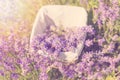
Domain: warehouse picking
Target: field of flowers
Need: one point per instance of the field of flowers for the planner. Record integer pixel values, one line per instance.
(100, 58)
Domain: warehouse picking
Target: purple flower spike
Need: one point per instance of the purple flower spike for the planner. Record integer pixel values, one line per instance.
(88, 43)
(100, 41)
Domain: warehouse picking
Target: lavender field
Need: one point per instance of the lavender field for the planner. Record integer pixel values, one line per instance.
(100, 57)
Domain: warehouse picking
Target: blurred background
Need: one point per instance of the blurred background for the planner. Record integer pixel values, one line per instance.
(19, 15)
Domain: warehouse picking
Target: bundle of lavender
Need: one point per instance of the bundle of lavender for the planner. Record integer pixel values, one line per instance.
(61, 44)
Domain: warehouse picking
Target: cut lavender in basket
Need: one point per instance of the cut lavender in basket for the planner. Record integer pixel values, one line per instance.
(56, 41)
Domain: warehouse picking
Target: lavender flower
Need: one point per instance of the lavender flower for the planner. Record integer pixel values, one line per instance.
(2, 73)
(14, 76)
(88, 43)
(100, 41)
(88, 65)
(107, 12)
(56, 43)
(111, 47)
(18, 60)
(43, 76)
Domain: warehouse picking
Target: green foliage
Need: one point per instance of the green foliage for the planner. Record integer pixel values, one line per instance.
(66, 2)
(111, 76)
(93, 4)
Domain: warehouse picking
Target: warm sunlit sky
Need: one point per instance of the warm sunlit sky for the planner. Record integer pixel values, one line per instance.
(18, 13)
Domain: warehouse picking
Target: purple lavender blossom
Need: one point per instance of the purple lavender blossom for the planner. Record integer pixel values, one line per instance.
(107, 12)
(14, 76)
(88, 29)
(55, 43)
(111, 47)
(100, 41)
(16, 59)
(43, 76)
(88, 43)
(2, 73)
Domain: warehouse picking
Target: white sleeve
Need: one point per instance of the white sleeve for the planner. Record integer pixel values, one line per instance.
(39, 24)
